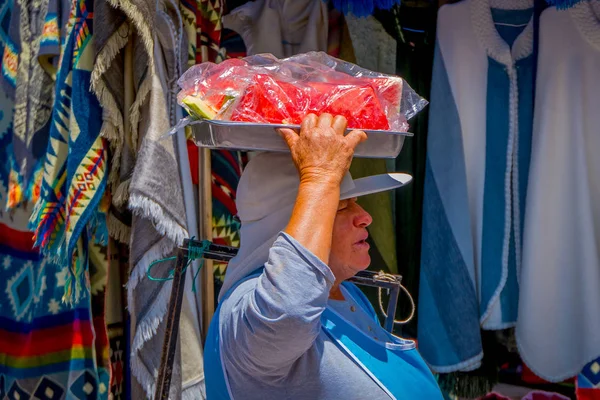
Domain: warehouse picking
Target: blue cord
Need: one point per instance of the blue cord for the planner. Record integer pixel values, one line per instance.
(194, 253)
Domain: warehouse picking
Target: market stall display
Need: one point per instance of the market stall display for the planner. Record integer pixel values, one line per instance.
(241, 101)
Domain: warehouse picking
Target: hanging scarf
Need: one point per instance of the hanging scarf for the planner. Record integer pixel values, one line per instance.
(74, 171)
(35, 29)
(476, 177)
(560, 278)
(7, 98)
(45, 345)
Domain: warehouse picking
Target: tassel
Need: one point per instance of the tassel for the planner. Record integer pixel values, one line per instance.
(466, 384)
(563, 4)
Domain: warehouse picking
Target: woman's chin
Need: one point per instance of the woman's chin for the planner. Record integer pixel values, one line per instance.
(363, 262)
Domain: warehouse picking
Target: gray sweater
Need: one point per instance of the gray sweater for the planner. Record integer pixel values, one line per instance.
(273, 346)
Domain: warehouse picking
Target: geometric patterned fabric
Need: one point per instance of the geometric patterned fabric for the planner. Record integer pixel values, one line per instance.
(69, 216)
(202, 23)
(48, 349)
(588, 381)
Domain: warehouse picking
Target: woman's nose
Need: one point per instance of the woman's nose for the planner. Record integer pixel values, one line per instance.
(363, 218)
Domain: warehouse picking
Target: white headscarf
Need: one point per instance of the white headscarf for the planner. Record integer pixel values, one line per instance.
(266, 195)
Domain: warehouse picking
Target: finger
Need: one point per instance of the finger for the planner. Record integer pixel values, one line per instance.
(288, 135)
(308, 122)
(340, 123)
(356, 137)
(325, 121)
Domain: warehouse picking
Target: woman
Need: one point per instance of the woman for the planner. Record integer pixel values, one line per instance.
(287, 325)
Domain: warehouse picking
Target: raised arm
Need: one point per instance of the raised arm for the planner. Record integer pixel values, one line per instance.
(322, 155)
(275, 319)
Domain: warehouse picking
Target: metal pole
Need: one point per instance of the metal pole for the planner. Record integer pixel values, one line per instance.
(170, 341)
(205, 213)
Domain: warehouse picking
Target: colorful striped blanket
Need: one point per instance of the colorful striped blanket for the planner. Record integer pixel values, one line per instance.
(48, 350)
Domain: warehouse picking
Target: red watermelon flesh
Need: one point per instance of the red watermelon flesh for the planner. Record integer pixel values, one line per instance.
(359, 104)
(270, 97)
(268, 100)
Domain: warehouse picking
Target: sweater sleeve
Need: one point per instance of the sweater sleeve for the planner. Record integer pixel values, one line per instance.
(272, 320)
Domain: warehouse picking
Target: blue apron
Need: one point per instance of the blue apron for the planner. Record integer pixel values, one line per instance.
(395, 365)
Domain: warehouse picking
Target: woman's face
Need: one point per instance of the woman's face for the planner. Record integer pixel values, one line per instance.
(349, 249)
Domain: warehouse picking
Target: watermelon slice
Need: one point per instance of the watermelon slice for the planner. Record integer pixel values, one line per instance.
(199, 108)
(237, 91)
(275, 101)
(359, 104)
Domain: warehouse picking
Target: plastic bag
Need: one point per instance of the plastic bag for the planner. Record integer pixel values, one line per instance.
(264, 89)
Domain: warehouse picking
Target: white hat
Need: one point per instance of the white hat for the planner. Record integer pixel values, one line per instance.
(266, 195)
(270, 181)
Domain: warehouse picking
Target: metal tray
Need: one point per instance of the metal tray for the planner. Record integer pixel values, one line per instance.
(263, 137)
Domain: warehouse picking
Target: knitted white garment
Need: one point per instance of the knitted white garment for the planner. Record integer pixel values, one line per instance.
(559, 322)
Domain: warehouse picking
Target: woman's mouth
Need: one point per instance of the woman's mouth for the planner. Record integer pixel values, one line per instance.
(362, 243)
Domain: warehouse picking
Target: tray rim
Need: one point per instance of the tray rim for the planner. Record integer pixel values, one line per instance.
(217, 122)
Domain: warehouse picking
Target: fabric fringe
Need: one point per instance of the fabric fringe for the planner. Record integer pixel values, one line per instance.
(115, 44)
(118, 230)
(466, 385)
(112, 126)
(147, 328)
(161, 249)
(471, 364)
(121, 195)
(195, 391)
(34, 218)
(145, 207)
(146, 380)
(138, 20)
(143, 28)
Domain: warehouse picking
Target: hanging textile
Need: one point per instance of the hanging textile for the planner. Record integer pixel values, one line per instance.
(34, 33)
(47, 346)
(588, 381)
(558, 325)
(115, 311)
(282, 28)
(154, 193)
(475, 183)
(109, 83)
(70, 208)
(7, 101)
(48, 349)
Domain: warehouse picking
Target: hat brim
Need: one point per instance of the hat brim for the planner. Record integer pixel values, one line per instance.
(376, 184)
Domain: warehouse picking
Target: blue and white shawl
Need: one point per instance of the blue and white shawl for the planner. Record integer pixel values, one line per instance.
(478, 153)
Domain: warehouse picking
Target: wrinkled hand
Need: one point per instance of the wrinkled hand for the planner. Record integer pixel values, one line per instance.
(320, 151)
